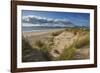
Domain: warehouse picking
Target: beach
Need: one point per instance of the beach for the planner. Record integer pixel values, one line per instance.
(61, 44)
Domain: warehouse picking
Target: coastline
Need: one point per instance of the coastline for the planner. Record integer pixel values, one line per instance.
(40, 32)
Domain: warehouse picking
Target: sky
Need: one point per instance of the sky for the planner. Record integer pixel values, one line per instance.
(81, 19)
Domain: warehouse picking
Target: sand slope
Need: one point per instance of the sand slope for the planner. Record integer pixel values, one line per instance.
(59, 41)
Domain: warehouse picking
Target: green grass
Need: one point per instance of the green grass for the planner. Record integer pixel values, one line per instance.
(56, 33)
(42, 46)
(83, 42)
(68, 53)
(25, 44)
(39, 44)
(30, 54)
(82, 32)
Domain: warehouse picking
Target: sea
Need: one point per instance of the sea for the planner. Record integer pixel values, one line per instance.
(37, 29)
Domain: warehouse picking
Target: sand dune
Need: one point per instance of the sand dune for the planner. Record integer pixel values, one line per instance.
(57, 42)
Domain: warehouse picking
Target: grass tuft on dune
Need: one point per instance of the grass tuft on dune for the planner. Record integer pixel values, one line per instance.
(43, 46)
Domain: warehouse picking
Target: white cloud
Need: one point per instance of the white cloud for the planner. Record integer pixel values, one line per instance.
(43, 21)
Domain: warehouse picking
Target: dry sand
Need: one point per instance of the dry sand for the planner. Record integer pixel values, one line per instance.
(60, 41)
(39, 33)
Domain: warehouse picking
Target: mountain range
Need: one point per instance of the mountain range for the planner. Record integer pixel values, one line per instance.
(32, 20)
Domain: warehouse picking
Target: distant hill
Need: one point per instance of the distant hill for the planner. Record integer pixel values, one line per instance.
(45, 22)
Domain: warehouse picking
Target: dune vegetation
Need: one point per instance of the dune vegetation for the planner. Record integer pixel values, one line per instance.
(66, 44)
